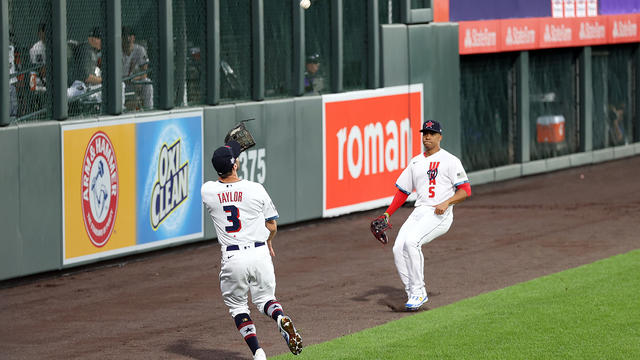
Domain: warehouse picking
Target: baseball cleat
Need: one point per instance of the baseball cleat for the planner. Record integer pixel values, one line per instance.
(415, 302)
(260, 355)
(290, 334)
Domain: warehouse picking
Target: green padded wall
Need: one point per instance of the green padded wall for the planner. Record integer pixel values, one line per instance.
(434, 62)
(11, 245)
(290, 132)
(394, 61)
(40, 196)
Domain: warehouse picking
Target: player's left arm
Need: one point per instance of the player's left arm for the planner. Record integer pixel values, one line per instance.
(272, 226)
(460, 196)
(463, 189)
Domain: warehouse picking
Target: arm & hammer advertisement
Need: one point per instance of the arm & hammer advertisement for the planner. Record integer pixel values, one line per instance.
(131, 184)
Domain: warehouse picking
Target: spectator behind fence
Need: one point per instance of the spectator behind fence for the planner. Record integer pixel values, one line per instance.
(313, 81)
(85, 72)
(616, 124)
(135, 61)
(13, 98)
(38, 56)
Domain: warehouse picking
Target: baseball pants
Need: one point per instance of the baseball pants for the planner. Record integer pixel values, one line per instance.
(422, 226)
(243, 271)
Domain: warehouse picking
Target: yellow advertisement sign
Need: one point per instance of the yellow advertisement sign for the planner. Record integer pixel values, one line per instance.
(99, 190)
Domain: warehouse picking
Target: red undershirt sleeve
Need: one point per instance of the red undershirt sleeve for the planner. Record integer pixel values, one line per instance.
(398, 200)
(466, 187)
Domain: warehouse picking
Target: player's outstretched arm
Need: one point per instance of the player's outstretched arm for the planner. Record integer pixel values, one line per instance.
(272, 226)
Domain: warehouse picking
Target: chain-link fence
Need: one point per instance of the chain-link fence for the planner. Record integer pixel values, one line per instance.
(317, 29)
(278, 45)
(189, 32)
(235, 50)
(140, 54)
(487, 96)
(356, 45)
(553, 100)
(86, 57)
(29, 38)
(613, 95)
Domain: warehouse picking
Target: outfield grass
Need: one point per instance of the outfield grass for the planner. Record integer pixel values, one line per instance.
(590, 312)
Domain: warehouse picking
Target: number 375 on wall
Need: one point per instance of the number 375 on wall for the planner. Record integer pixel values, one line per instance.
(252, 165)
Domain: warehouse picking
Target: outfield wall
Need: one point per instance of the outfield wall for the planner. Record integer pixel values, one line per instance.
(301, 143)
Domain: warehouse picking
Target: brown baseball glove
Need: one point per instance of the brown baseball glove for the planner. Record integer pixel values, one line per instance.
(240, 134)
(378, 226)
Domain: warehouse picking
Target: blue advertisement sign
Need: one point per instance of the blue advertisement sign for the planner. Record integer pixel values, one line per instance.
(169, 168)
(467, 10)
(612, 7)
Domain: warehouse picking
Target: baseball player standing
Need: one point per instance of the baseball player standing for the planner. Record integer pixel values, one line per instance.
(245, 219)
(440, 182)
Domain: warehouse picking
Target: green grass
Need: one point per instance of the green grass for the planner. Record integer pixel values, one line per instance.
(590, 312)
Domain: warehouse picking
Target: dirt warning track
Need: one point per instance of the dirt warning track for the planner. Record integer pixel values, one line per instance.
(333, 277)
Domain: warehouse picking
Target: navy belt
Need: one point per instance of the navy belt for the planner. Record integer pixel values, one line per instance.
(237, 247)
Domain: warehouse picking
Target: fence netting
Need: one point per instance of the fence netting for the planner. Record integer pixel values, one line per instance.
(29, 38)
(140, 54)
(553, 100)
(235, 50)
(189, 33)
(487, 110)
(278, 45)
(613, 95)
(86, 60)
(356, 45)
(317, 29)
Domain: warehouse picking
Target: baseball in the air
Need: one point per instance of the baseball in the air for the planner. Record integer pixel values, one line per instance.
(305, 4)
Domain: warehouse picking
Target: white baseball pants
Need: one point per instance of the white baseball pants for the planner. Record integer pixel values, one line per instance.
(422, 226)
(243, 271)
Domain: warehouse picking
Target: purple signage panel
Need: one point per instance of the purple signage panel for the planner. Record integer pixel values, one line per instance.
(610, 7)
(466, 10)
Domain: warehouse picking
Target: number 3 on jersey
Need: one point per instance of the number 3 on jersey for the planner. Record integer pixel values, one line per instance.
(233, 217)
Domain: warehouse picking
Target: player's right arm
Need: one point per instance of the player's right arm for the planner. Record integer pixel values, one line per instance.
(404, 183)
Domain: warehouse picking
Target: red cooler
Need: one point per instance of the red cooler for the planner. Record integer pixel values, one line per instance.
(550, 129)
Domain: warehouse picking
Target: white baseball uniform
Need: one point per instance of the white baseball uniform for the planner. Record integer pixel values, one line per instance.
(239, 211)
(435, 179)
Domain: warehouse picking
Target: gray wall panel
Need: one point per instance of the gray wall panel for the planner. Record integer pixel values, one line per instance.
(434, 62)
(279, 133)
(11, 251)
(394, 56)
(40, 196)
(308, 161)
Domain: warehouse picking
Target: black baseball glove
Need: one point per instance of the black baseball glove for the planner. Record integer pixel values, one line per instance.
(378, 226)
(240, 134)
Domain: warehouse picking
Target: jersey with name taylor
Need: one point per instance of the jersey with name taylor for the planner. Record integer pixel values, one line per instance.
(239, 211)
(434, 177)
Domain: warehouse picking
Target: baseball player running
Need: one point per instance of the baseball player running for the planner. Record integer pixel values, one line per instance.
(245, 219)
(440, 182)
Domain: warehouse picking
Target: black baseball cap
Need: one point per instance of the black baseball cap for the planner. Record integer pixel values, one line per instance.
(96, 32)
(225, 156)
(313, 59)
(431, 125)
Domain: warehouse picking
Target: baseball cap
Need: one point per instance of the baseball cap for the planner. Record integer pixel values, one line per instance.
(96, 32)
(225, 156)
(431, 125)
(313, 59)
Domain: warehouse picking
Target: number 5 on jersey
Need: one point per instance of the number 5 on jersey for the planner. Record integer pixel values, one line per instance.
(432, 173)
(233, 218)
